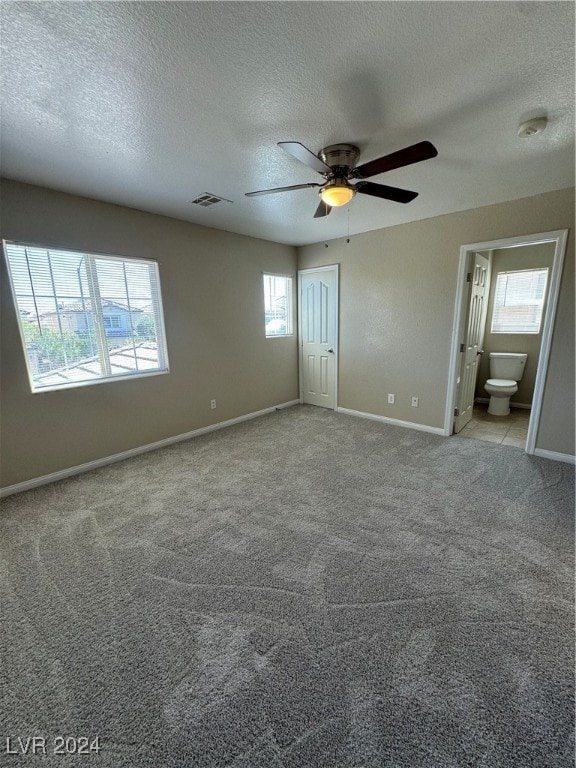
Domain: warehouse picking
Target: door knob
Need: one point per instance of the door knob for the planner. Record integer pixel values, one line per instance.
(331, 350)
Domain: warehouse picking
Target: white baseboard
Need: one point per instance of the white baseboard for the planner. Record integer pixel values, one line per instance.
(35, 482)
(554, 456)
(394, 422)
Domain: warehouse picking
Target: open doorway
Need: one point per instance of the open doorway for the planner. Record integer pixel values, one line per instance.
(485, 323)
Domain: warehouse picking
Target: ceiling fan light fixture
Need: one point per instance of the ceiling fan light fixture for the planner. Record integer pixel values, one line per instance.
(337, 165)
(336, 195)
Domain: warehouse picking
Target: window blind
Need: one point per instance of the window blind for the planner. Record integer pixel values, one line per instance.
(278, 305)
(86, 317)
(519, 301)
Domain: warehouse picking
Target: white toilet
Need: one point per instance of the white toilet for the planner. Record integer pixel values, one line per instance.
(506, 368)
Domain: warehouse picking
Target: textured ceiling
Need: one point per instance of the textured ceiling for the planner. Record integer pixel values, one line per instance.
(151, 104)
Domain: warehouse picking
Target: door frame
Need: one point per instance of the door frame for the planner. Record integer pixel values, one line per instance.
(559, 238)
(301, 273)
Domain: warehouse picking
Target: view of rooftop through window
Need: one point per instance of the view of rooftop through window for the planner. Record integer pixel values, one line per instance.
(86, 317)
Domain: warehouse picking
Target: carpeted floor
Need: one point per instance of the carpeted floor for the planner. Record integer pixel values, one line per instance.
(305, 589)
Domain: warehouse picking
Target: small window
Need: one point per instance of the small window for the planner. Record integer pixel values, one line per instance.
(519, 301)
(84, 317)
(278, 305)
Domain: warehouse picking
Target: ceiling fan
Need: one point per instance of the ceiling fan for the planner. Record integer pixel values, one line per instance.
(337, 164)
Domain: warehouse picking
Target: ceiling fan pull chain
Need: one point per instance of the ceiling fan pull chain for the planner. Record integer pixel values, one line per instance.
(348, 237)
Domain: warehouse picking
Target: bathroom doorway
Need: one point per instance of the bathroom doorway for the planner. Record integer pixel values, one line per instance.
(509, 259)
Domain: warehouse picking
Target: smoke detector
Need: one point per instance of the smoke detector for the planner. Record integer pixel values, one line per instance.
(532, 127)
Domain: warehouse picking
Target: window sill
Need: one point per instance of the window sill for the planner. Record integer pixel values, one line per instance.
(107, 380)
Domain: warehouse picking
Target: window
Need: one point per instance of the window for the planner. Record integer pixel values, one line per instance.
(278, 305)
(519, 301)
(85, 317)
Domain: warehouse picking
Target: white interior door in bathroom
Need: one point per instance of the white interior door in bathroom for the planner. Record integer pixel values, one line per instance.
(318, 329)
(471, 347)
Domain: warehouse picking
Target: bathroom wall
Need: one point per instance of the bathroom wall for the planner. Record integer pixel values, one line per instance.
(507, 260)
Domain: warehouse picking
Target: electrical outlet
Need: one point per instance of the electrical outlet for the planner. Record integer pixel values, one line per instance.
(391, 399)
(212, 404)
(414, 402)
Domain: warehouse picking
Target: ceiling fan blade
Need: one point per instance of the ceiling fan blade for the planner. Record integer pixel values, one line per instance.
(386, 193)
(424, 150)
(322, 210)
(280, 189)
(305, 155)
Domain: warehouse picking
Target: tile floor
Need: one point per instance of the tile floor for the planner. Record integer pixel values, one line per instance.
(507, 430)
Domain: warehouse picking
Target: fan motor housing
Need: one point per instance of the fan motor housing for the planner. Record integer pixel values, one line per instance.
(340, 155)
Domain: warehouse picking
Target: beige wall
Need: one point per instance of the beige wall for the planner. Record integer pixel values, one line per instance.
(397, 294)
(396, 307)
(508, 260)
(213, 302)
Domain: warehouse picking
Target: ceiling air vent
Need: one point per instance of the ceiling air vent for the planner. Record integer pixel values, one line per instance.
(206, 199)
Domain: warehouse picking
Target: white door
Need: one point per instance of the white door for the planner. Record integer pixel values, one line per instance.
(318, 335)
(471, 348)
